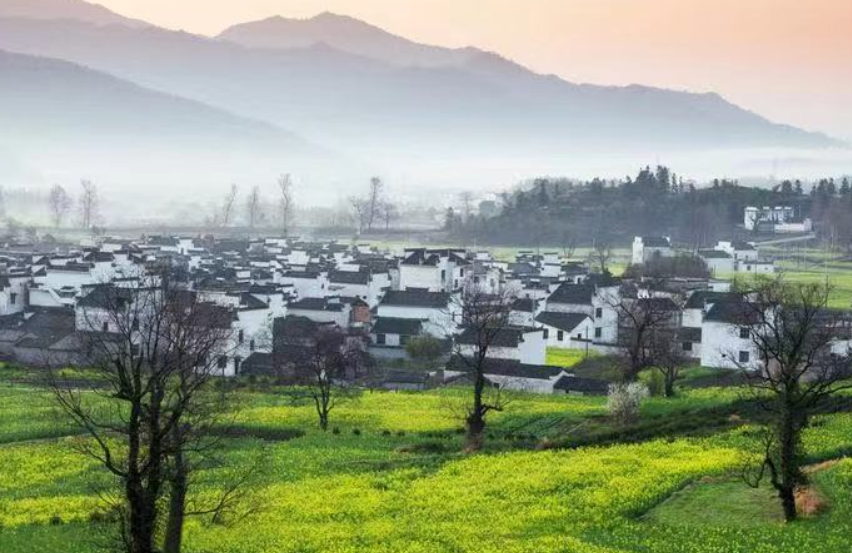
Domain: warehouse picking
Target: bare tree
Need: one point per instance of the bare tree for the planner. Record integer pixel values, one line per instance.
(154, 348)
(360, 210)
(485, 318)
(389, 213)
(60, 203)
(286, 203)
(374, 201)
(254, 208)
(647, 329)
(88, 203)
(323, 365)
(602, 253)
(799, 368)
(228, 206)
(466, 199)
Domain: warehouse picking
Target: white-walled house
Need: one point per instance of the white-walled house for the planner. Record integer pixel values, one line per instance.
(432, 270)
(718, 262)
(321, 310)
(307, 284)
(526, 345)
(440, 315)
(725, 342)
(566, 330)
(646, 248)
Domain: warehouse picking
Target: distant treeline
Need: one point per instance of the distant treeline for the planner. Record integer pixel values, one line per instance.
(551, 212)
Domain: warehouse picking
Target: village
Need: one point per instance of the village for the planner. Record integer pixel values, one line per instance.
(277, 293)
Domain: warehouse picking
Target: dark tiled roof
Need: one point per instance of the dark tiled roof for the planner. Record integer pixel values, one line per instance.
(570, 383)
(106, 296)
(507, 367)
(734, 311)
(403, 327)
(698, 299)
(657, 304)
(561, 321)
(292, 326)
(315, 304)
(713, 254)
(579, 294)
(349, 277)
(526, 305)
(416, 298)
(508, 337)
(655, 242)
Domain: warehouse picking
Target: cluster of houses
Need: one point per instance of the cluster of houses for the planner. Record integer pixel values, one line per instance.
(775, 219)
(727, 257)
(276, 292)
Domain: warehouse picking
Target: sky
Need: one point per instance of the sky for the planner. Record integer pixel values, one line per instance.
(789, 60)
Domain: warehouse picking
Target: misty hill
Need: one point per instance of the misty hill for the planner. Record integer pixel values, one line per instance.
(476, 117)
(65, 9)
(60, 116)
(346, 34)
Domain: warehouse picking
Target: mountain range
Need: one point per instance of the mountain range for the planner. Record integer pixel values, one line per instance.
(391, 104)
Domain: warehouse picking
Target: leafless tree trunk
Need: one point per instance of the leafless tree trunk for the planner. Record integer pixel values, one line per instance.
(228, 206)
(286, 204)
(484, 317)
(60, 204)
(796, 373)
(254, 207)
(360, 209)
(154, 348)
(88, 204)
(322, 366)
(374, 201)
(602, 254)
(647, 328)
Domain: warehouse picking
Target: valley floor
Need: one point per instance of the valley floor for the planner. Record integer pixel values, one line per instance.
(390, 476)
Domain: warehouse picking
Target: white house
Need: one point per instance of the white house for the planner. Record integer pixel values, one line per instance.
(526, 345)
(566, 330)
(725, 341)
(438, 313)
(646, 248)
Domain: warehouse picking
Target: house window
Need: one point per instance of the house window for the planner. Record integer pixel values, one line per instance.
(598, 332)
(579, 336)
(237, 362)
(687, 346)
(134, 350)
(476, 280)
(546, 334)
(222, 362)
(380, 339)
(443, 275)
(560, 335)
(744, 333)
(242, 336)
(251, 345)
(598, 312)
(403, 340)
(461, 272)
(744, 357)
(13, 297)
(106, 327)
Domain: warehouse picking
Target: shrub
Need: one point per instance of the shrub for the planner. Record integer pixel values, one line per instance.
(655, 382)
(356, 432)
(624, 400)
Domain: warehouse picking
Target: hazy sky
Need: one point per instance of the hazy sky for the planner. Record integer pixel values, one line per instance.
(790, 60)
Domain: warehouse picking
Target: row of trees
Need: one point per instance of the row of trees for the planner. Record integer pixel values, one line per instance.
(373, 209)
(254, 207)
(61, 203)
(549, 211)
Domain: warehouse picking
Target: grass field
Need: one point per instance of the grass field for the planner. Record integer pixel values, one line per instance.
(393, 477)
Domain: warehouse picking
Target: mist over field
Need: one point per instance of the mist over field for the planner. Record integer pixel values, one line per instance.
(157, 115)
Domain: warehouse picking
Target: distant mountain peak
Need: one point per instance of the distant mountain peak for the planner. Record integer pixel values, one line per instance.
(78, 10)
